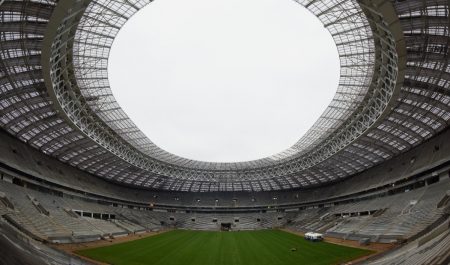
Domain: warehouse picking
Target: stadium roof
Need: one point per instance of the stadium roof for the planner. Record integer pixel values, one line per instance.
(393, 94)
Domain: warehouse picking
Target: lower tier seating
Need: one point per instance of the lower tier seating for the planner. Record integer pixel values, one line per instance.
(70, 219)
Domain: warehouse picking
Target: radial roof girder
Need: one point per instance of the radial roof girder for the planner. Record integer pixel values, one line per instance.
(24, 27)
(427, 57)
(387, 152)
(344, 162)
(390, 136)
(22, 90)
(423, 22)
(34, 44)
(55, 135)
(93, 155)
(417, 110)
(49, 117)
(28, 9)
(397, 123)
(81, 150)
(25, 106)
(424, 99)
(349, 155)
(33, 115)
(12, 78)
(12, 96)
(110, 164)
(411, 83)
(410, 6)
(29, 60)
(425, 40)
(369, 142)
(429, 73)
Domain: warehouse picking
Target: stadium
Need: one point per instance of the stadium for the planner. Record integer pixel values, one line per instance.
(368, 183)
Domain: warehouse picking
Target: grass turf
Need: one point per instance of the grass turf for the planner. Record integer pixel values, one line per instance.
(264, 247)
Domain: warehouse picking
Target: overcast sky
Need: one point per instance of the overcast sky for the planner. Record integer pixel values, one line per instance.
(224, 81)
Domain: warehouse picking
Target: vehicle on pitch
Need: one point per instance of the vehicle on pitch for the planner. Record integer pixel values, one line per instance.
(313, 236)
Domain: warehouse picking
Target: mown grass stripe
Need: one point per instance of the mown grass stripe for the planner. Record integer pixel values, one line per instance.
(264, 247)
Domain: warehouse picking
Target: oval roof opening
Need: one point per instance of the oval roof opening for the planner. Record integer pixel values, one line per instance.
(224, 81)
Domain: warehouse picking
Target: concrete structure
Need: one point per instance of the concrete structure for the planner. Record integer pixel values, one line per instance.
(374, 167)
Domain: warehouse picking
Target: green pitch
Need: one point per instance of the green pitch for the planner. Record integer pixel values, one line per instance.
(264, 247)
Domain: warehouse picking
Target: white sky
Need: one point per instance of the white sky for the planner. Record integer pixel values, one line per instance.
(224, 81)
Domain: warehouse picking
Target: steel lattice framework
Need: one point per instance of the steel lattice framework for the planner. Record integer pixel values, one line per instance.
(102, 20)
(393, 95)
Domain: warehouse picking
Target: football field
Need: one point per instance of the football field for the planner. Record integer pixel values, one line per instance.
(264, 247)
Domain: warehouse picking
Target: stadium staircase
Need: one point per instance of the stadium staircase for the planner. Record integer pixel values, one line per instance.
(5, 202)
(128, 226)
